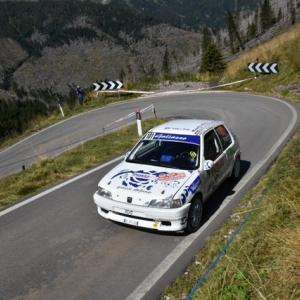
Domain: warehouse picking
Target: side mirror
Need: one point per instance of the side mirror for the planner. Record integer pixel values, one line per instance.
(208, 164)
(126, 155)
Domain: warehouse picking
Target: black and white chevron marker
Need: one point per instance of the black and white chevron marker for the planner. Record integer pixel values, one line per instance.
(263, 67)
(107, 85)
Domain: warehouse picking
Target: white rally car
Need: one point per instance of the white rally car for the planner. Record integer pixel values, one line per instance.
(164, 181)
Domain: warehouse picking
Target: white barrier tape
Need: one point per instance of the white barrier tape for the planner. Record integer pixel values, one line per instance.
(125, 91)
(157, 94)
(121, 119)
(225, 84)
(150, 107)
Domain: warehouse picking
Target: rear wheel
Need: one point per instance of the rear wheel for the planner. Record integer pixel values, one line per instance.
(195, 215)
(236, 169)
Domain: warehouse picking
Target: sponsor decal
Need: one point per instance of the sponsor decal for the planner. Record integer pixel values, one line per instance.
(149, 136)
(198, 130)
(141, 176)
(193, 154)
(194, 139)
(184, 195)
(155, 225)
(171, 176)
(161, 136)
(195, 185)
(190, 189)
(230, 151)
(177, 128)
(133, 190)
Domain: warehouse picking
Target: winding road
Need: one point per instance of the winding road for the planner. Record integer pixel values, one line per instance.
(54, 245)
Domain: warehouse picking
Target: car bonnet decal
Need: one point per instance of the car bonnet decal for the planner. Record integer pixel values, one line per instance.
(146, 180)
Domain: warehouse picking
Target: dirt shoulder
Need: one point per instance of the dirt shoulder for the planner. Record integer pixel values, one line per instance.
(168, 86)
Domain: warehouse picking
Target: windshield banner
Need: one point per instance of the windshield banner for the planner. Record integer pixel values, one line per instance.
(193, 139)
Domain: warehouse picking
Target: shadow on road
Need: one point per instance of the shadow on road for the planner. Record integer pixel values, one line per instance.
(226, 189)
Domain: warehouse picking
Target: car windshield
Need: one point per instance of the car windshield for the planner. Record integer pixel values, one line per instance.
(178, 155)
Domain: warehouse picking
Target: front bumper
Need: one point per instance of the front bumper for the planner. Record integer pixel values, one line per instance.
(140, 216)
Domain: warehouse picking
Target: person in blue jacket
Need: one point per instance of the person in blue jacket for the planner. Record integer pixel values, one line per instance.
(79, 94)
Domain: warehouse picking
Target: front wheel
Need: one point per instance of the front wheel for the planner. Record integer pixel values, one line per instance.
(195, 215)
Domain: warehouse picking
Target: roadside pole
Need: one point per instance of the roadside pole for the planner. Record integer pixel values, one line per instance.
(61, 109)
(139, 122)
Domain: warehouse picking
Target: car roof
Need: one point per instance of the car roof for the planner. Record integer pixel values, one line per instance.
(186, 126)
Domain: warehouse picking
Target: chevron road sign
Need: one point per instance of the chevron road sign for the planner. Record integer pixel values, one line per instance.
(107, 85)
(266, 68)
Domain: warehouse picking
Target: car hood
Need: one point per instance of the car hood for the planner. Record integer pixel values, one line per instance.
(139, 184)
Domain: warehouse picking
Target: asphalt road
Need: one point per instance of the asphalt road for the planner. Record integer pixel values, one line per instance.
(55, 246)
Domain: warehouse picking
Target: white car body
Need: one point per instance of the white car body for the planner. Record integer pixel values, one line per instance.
(154, 189)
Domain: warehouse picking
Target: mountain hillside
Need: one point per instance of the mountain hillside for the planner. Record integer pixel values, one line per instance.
(52, 46)
(48, 47)
(191, 14)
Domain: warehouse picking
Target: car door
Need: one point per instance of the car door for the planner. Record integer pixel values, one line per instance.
(226, 142)
(213, 151)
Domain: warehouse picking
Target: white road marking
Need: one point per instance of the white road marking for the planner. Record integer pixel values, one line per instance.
(31, 199)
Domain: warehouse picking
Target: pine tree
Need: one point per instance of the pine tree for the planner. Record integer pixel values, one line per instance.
(166, 64)
(267, 18)
(233, 33)
(279, 16)
(251, 31)
(206, 39)
(292, 12)
(230, 28)
(212, 60)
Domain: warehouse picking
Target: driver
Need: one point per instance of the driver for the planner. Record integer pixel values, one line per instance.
(190, 156)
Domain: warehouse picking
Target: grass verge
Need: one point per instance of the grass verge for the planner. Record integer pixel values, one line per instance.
(263, 260)
(50, 171)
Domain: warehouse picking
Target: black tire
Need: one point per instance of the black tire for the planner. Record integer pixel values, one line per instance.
(195, 215)
(235, 174)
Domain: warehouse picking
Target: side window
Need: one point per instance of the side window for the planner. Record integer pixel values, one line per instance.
(212, 147)
(224, 136)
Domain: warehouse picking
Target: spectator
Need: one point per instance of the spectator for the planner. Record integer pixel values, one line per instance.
(79, 94)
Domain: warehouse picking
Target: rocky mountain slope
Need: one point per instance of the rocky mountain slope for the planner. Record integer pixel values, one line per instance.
(49, 49)
(83, 62)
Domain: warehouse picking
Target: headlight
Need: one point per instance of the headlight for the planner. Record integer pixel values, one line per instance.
(165, 203)
(104, 193)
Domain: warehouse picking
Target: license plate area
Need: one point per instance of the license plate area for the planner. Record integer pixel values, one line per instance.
(131, 221)
(129, 212)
